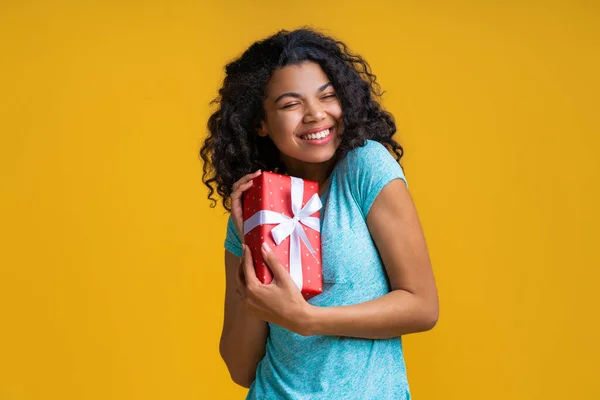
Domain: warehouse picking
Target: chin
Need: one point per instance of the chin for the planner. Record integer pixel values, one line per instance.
(318, 157)
(314, 155)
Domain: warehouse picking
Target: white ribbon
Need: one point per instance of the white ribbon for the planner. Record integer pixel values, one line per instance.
(291, 226)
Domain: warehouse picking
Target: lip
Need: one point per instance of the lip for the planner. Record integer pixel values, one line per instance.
(325, 140)
(315, 130)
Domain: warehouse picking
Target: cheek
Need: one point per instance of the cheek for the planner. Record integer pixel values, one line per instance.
(289, 123)
(335, 110)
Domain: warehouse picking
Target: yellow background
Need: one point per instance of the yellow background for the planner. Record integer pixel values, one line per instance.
(111, 261)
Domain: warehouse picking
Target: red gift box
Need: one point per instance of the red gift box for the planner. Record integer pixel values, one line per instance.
(284, 212)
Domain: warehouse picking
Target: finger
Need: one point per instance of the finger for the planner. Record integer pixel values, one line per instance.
(236, 207)
(245, 179)
(249, 273)
(248, 177)
(237, 192)
(236, 196)
(279, 272)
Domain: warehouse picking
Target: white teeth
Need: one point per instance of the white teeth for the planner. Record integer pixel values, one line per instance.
(318, 135)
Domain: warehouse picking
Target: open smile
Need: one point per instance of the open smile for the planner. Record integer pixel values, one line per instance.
(319, 136)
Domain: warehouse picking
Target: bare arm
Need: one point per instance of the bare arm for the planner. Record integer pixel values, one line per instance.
(412, 305)
(244, 336)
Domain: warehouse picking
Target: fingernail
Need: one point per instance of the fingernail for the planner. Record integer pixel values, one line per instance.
(266, 247)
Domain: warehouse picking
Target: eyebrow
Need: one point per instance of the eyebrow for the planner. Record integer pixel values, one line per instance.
(297, 95)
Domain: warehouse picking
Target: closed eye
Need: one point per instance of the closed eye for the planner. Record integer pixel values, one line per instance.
(329, 96)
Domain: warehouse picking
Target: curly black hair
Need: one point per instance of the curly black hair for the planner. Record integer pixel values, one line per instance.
(233, 148)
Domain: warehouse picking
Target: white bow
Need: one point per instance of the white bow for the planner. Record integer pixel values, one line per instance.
(291, 226)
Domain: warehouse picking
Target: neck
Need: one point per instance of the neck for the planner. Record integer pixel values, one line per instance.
(318, 172)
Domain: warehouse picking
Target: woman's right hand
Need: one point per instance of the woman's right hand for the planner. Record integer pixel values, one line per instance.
(237, 212)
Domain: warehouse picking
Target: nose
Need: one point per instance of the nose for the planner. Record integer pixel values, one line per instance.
(314, 112)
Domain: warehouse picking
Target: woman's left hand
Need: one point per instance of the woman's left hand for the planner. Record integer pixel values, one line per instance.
(279, 302)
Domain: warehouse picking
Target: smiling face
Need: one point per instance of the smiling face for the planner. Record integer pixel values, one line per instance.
(303, 115)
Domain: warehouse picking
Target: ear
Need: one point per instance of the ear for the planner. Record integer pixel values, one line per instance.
(262, 131)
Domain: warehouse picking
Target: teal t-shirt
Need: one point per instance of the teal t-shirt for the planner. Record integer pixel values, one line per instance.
(333, 367)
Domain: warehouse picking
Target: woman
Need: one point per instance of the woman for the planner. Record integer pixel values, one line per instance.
(300, 103)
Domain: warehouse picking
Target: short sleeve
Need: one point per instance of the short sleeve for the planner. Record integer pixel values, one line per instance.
(372, 167)
(232, 239)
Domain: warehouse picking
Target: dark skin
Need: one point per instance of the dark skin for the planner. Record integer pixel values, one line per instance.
(412, 304)
(298, 98)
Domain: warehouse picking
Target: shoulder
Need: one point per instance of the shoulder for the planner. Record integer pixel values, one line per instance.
(370, 151)
(365, 157)
(370, 160)
(367, 169)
